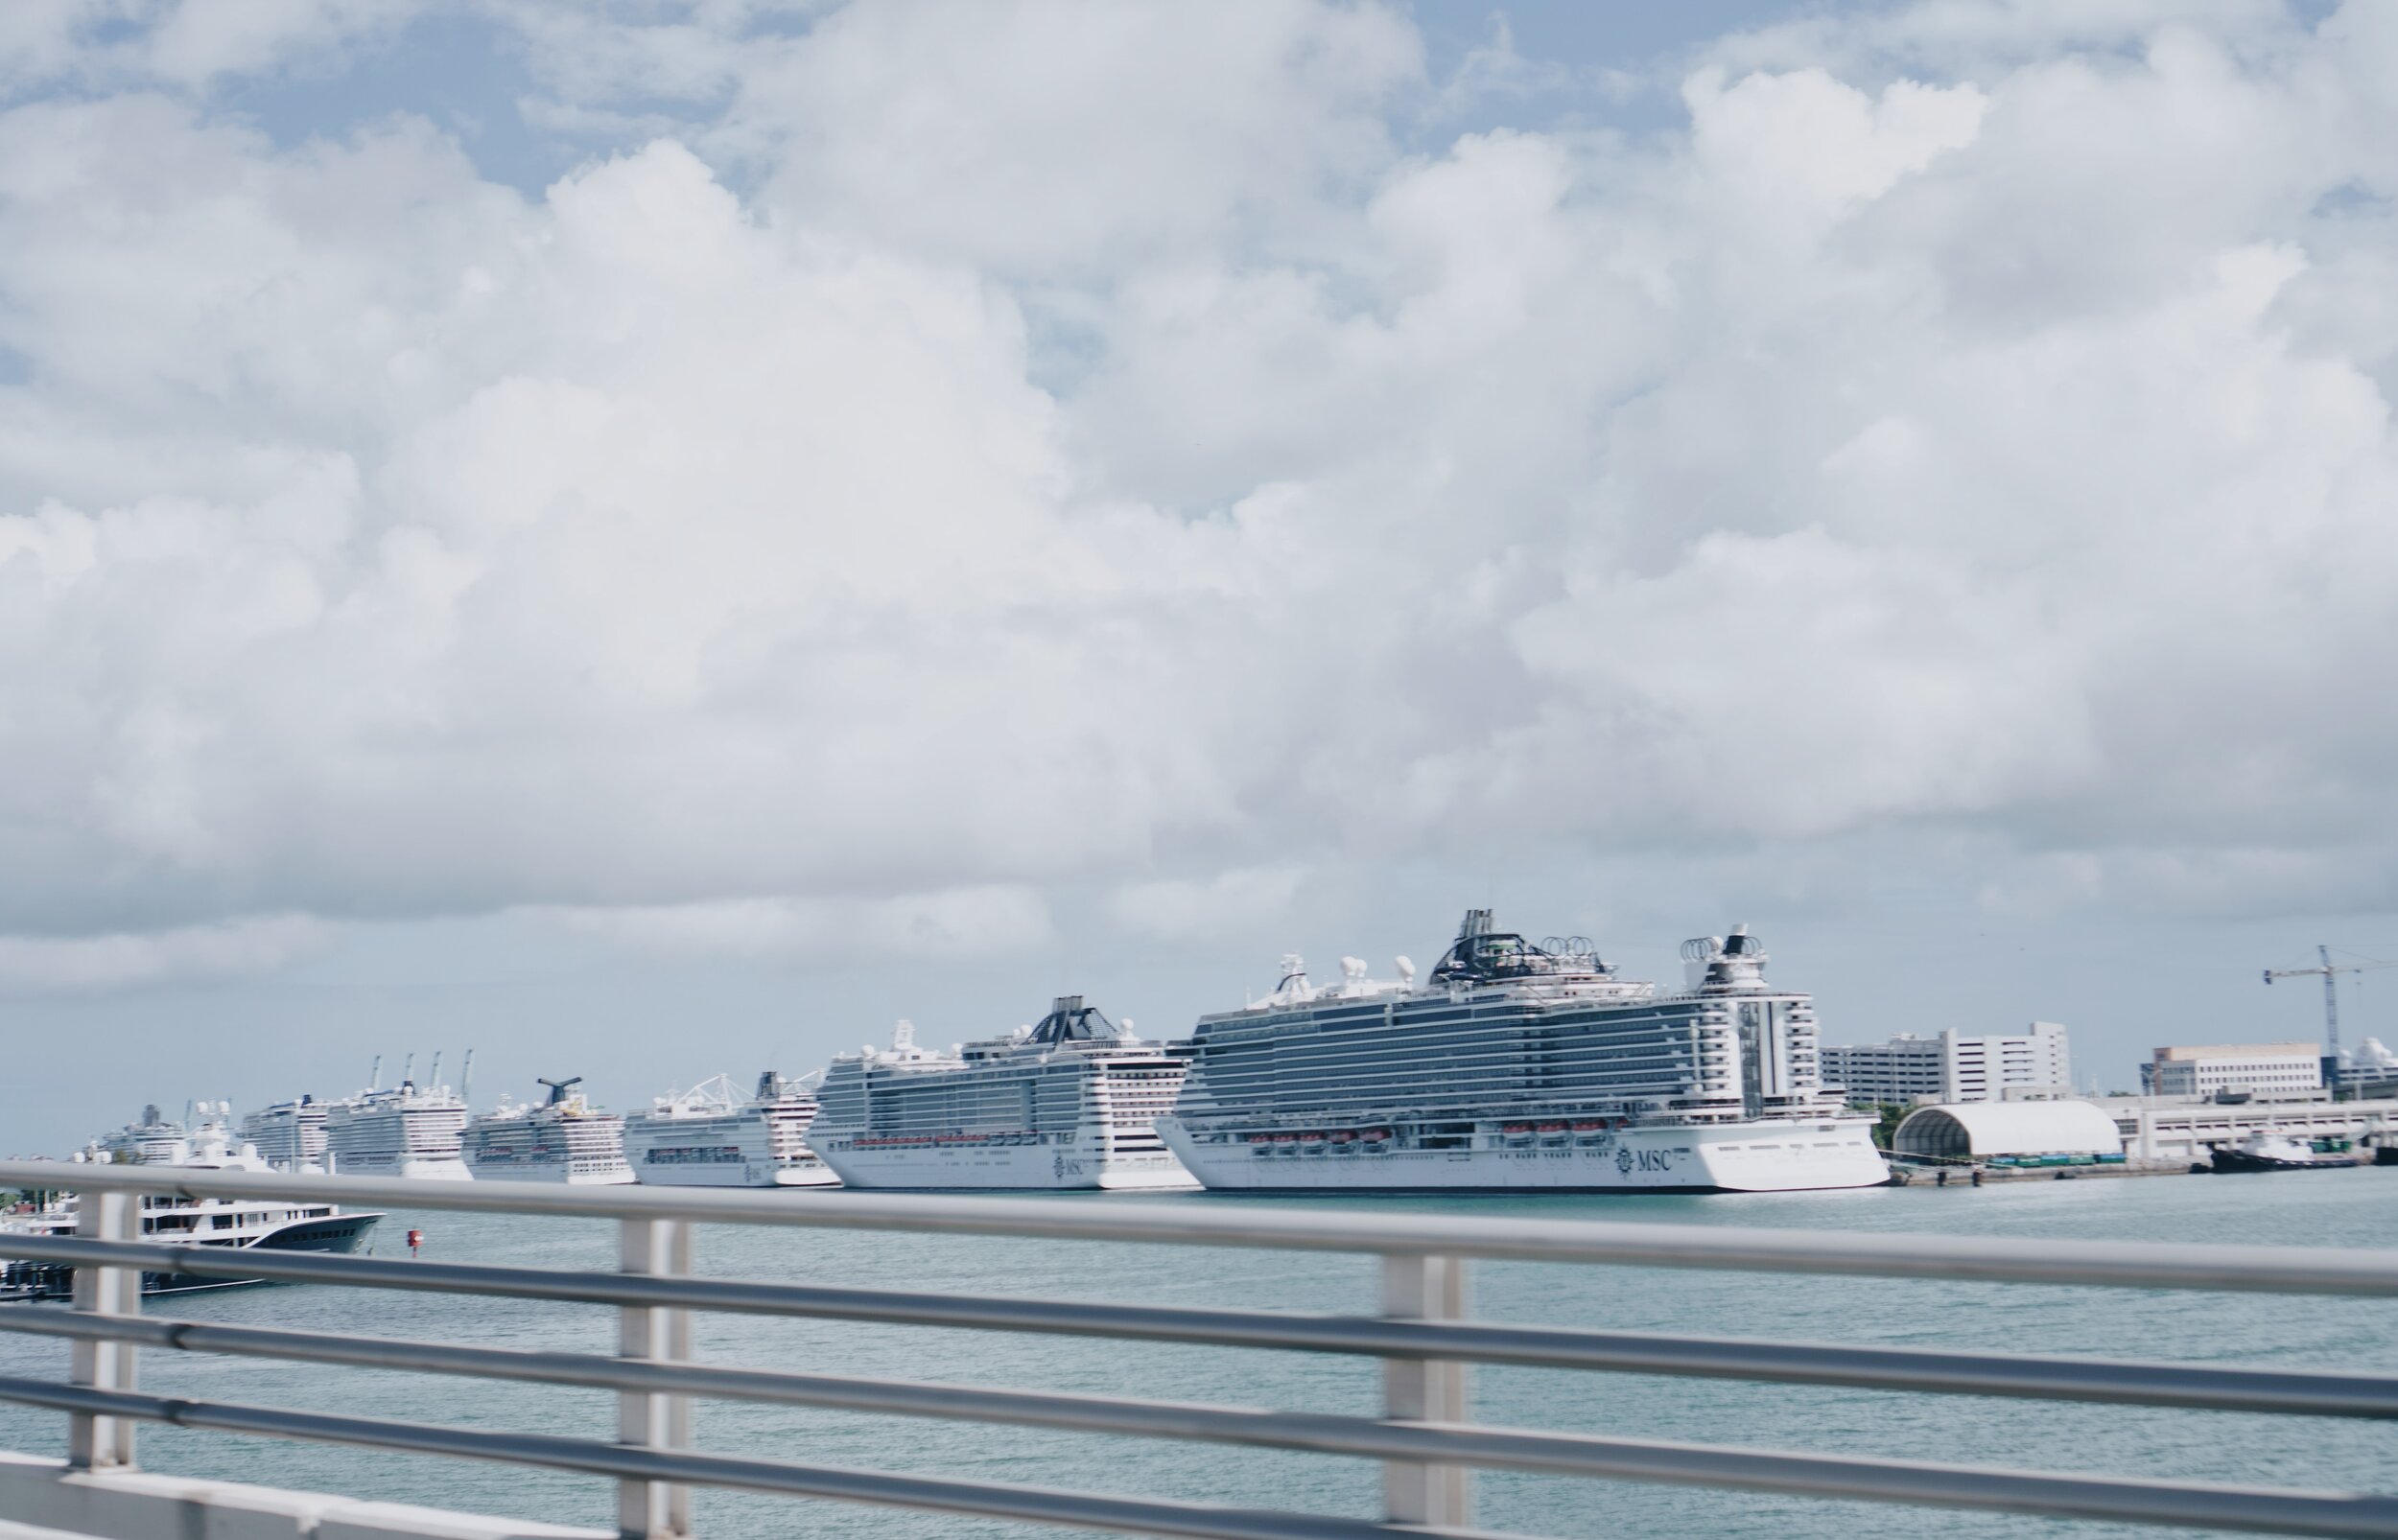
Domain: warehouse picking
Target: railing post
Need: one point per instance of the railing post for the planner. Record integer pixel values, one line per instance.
(1424, 1288)
(654, 1510)
(105, 1443)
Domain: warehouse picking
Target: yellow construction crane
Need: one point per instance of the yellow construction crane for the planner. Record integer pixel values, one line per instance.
(2331, 987)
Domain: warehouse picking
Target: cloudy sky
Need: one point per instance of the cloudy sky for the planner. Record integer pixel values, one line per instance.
(659, 542)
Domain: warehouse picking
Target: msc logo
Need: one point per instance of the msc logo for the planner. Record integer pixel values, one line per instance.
(1623, 1161)
(1645, 1159)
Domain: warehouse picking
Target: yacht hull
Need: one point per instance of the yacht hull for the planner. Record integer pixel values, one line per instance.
(2234, 1163)
(1736, 1157)
(341, 1233)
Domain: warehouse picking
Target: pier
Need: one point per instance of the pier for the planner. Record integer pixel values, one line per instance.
(1421, 1330)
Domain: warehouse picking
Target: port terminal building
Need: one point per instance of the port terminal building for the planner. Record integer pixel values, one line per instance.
(2265, 1072)
(2145, 1130)
(2182, 1128)
(1952, 1066)
(1988, 1131)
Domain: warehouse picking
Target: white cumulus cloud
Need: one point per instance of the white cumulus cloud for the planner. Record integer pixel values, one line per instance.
(230, 948)
(933, 461)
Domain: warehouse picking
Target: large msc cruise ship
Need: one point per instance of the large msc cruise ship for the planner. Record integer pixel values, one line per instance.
(712, 1136)
(562, 1138)
(1519, 1066)
(1070, 1103)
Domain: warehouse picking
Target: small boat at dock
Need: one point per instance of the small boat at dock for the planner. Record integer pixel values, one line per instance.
(2271, 1150)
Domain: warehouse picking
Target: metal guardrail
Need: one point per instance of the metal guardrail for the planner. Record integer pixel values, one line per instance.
(1423, 1440)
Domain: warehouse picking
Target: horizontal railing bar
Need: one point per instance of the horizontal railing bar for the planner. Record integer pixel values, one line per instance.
(2123, 1500)
(1313, 1433)
(1213, 1222)
(2110, 1381)
(1882, 1368)
(1032, 1505)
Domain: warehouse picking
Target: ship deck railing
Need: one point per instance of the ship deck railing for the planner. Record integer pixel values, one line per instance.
(1424, 1439)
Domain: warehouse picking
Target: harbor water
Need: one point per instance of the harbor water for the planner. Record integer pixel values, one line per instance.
(2355, 1208)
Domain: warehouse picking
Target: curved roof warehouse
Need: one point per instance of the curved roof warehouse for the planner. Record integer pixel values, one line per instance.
(1962, 1130)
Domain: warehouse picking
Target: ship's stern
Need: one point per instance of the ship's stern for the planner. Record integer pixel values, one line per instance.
(1766, 1158)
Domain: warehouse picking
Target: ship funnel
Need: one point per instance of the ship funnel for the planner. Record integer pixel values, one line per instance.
(1733, 961)
(560, 1087)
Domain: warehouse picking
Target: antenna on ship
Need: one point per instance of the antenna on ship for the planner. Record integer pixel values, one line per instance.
(434, 1080)
(374, 1077)
(407, 1070)
(467, 1079)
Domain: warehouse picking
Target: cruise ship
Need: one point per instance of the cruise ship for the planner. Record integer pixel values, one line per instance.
(155, 1140)
(410, 1131)
(288, 1136)
(267, 1223)
(714, 1136)
(1519, 1066)
(1066, 1103)
(562, 1138)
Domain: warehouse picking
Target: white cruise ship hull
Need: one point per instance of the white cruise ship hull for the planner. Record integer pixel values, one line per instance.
(379, 1164)
(745, 1174)
(553, 1172)
(1731, 1157)
(737, 1151)
(970, 1167)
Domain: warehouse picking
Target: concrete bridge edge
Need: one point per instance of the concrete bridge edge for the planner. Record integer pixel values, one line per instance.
(45, 1500)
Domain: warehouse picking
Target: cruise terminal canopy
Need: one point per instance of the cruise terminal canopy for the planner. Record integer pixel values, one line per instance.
(1960, 1130)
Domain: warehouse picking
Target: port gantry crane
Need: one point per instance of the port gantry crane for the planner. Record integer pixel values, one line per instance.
(2331, 971)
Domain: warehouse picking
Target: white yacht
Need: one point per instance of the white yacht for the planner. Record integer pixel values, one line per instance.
(272, 1224)
(410, 1131)
(1066, 1103)
(1520, 1067)
(714, 1136)
(562, 1138)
